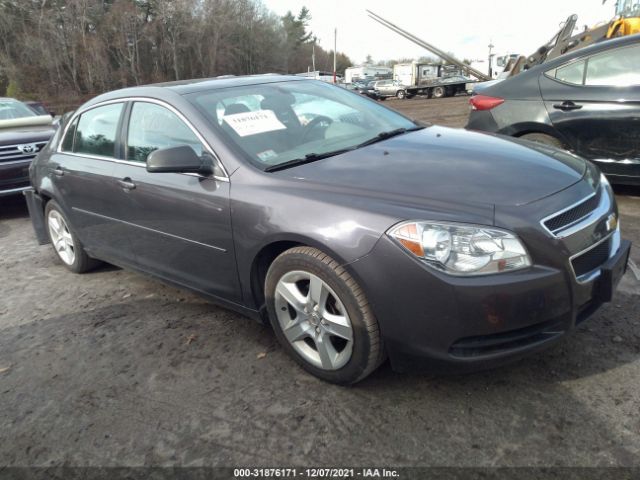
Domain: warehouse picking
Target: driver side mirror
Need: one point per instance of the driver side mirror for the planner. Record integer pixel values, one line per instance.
(182, 159)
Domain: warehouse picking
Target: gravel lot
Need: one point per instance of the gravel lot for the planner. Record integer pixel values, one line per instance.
(113, 368)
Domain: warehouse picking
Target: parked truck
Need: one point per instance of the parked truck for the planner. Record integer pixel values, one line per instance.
(428, 79)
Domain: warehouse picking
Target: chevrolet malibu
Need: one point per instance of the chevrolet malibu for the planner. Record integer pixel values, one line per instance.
(355, 232)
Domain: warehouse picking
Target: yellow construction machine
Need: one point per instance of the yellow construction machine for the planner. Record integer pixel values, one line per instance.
(627, 21)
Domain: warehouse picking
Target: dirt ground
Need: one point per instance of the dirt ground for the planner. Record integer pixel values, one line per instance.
(112, 368)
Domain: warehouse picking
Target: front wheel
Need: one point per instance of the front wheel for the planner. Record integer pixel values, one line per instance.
(65, 243)
(321, 316)
(401, 94)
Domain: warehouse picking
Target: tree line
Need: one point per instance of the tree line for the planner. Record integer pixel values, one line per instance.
(63, 51)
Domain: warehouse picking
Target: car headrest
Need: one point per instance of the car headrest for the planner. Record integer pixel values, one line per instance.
(236, 108)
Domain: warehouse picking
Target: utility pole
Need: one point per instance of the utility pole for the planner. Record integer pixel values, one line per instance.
(335, 46)
(313, 55)
(491, 47)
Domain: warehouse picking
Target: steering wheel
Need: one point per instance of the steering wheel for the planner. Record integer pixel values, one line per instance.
(315, 122)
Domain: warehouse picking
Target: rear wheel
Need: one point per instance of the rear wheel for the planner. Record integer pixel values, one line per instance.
(65, 243)
(544, 139)
(321, 316)
(439, 92)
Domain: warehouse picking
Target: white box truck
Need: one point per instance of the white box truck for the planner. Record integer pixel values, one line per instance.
(366, 72)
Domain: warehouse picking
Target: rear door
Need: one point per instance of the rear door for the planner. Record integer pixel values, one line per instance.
(384, 87)
(180, 224)
(82, 171)
(594, 103)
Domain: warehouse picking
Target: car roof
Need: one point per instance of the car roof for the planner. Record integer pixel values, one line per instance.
(590, 50)
(185, 87)
(202, 84)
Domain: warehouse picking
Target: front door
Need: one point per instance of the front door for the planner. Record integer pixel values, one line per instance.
(180, 224)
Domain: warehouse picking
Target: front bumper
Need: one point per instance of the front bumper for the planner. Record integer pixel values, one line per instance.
(14, 177)
(433, 321)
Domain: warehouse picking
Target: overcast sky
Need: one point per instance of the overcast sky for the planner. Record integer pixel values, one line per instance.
(464, 27)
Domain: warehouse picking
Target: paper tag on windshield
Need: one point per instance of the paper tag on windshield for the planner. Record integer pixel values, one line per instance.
(252, 123)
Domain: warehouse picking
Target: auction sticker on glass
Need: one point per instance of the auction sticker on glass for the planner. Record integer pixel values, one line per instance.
(252, 123)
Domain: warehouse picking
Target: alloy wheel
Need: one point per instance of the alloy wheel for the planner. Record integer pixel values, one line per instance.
(61, 237)
(314, 320)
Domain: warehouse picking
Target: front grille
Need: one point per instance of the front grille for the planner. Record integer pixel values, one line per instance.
(507, 341)
(573, 215)
(592, 259)
(13, 153)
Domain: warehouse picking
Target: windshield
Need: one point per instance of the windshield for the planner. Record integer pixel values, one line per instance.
(277, 123)
(12, 109)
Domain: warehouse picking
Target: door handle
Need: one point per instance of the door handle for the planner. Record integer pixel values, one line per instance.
(58, 171)
(127, 184)
(567, 106)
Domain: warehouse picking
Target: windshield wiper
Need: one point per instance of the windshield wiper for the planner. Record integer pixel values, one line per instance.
(384, 135)
(312, 157)
(308, 158)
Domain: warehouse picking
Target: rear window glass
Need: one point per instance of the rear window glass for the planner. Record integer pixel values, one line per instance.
(572, 73)
(67, 142)
(618, 68)
(97, 129)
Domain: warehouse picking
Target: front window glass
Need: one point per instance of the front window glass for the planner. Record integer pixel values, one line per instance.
(96, 131)
(152, 127)
(11, 109)
(618, 68)
(281, 122)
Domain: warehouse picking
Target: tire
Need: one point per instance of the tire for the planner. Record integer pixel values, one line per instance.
(65, 242)
(439, 92)
(401, 94)
(544, 139)
(321, 316)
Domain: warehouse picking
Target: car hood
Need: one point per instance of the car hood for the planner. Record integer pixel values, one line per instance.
(451, 165)
(26, 134)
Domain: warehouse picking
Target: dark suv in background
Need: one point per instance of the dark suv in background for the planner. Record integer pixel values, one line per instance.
(587, 102)
(23, 133)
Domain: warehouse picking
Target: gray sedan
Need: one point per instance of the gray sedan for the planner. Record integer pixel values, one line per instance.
(355, 232)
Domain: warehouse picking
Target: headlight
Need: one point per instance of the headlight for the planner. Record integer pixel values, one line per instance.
(461, 249)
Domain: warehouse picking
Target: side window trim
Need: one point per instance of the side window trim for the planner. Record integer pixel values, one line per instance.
(129, 100)
(584, 72)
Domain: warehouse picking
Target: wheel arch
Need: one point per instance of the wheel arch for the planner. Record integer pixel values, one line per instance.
(519, 129)
(265, 256)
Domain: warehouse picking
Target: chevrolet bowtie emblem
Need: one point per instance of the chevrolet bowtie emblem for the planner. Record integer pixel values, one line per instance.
(612, 222)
